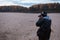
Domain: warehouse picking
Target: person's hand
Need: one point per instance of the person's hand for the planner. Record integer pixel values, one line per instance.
(41, 17)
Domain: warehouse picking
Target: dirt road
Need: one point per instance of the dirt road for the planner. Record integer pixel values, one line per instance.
(21, 26)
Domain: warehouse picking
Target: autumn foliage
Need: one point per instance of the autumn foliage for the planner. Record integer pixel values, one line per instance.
(50, 7)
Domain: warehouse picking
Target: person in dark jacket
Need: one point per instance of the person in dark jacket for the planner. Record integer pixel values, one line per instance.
(44, 24)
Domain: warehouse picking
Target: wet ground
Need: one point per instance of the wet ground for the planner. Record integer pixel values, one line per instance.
(21, 26)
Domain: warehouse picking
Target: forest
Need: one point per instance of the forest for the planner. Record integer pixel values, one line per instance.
(37, 8)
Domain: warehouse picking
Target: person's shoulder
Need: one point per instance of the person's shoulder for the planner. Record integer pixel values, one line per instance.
(47, 17)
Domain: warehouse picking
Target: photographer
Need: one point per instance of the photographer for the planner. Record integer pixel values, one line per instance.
(44, 24)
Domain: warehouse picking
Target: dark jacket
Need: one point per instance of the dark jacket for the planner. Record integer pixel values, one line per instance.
(45, 26)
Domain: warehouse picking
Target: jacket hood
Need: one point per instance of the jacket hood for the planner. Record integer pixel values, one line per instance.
(46, 17)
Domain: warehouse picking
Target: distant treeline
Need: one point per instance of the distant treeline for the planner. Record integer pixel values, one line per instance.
(50, 7)
(13, 9)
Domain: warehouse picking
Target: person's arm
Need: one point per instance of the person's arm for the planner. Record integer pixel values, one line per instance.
(39, 22)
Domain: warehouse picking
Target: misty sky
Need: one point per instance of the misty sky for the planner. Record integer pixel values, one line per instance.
(26, 3)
